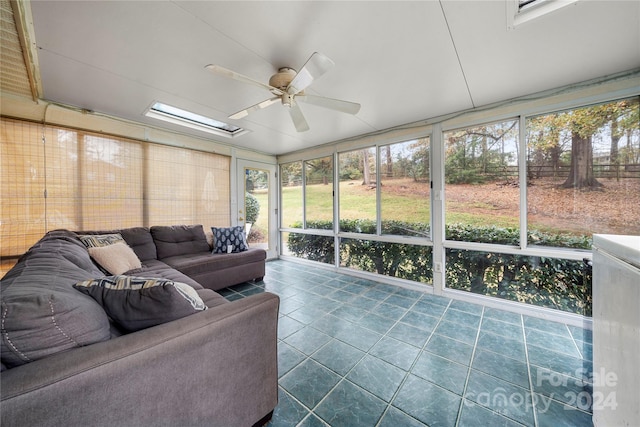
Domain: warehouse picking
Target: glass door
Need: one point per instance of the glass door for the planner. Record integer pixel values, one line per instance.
(257, 204)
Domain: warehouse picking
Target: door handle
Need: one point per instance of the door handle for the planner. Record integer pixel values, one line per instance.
(240, 219)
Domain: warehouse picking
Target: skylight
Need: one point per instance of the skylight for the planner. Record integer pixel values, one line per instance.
(521, 11)
(523, 3)
(181, 117)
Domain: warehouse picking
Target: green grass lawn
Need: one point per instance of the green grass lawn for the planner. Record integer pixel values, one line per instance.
(359, 202)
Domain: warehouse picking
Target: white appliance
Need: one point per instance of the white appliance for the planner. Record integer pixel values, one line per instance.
(616, 330)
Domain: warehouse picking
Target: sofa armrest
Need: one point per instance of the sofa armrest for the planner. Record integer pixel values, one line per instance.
(214, 368)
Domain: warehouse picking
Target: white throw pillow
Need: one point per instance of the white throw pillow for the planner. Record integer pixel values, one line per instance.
(117, 258)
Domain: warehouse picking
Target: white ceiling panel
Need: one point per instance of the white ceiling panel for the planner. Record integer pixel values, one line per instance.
(579, 42)
(402, 61)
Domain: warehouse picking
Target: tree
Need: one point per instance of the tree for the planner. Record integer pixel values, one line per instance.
(366, 171)
(389, 162)
(252, 208)
(616, 134)
(551, 135)
(584, 124)
(291, 174)
(320, 170)
(581, 169)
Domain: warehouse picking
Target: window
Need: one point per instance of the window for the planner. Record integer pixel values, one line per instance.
(401, 260)
(186, 187)
(291, 194)
(481, 184)
(405, 188)
(191, 120)
(358, 181)
(86, 181)
(319, 193)
(522, 199)
(561, 284)
(309, 246)
(583, 174)
(109, 181)
(521, 11)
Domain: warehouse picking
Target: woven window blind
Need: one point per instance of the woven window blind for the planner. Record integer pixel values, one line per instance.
(187, 187)
(54, 177)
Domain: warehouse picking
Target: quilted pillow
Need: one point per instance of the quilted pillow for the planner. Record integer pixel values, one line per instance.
(229, 239)
(136, 303)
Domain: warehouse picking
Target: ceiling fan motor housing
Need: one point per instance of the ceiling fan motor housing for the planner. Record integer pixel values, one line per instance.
(282, 78)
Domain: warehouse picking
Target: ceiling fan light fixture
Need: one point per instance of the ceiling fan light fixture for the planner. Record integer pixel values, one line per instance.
(287, 100)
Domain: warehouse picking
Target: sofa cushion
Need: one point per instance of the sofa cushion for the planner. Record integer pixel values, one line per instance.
(41, 312)
(179, 240)
(225, 237)
(159, 269)
(136, 303)
(141, 241)
(117, 258)
(194, 265)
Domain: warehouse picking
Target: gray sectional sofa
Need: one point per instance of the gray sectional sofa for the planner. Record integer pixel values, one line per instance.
(187, 249)
(66, 362)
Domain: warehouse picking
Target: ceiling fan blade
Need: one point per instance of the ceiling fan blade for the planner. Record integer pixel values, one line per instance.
(259, 106)
(316, 66)
(333, 104)
(298, 118)
(221, 71)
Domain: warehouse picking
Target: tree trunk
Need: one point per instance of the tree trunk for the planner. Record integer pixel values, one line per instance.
(389, 162)
(581, 169)
(615, 138)
(365, 168)
(555, 153)
(633, 156)
(614, 152)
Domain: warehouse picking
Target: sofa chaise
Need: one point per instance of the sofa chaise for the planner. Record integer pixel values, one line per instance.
(68, 360)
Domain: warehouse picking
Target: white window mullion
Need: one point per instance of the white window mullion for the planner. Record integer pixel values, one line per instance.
(522, 172)
(336, 209)
(304, 194)
(378, 198)
(437, 208)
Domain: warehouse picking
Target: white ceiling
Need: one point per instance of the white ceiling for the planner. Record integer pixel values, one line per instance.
(403, 61)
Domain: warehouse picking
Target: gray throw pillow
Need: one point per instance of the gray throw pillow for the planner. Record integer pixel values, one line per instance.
(136, 303)
(226, 237)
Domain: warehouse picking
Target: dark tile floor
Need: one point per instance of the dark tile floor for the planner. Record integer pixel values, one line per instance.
(355, 352)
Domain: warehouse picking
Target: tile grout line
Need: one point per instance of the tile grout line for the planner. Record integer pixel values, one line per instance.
(408, 371)
(344, 377)
(466, 381)
(575, 344)
(526, 355)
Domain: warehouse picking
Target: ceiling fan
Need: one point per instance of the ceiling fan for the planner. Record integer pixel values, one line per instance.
(288, 87)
